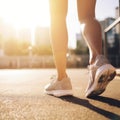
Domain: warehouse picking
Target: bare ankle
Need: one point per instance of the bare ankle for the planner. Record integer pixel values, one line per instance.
(60, 77)
(92, 60)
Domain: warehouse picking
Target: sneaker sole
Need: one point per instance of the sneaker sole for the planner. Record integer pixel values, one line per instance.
(104, 75)
(59, 93)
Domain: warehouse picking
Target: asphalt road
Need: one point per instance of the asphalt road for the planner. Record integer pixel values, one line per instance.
(22, 97)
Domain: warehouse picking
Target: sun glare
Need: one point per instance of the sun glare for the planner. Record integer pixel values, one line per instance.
(25, 13)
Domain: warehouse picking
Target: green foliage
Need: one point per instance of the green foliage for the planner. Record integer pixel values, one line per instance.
(13, 47)
(42, 50)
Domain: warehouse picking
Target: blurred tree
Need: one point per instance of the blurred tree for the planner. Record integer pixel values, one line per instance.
(14, 47)
(23, 47)
(42, 50)
(11, 47)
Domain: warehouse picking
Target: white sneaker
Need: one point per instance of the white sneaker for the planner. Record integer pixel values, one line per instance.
(59, 88)
(100, 74)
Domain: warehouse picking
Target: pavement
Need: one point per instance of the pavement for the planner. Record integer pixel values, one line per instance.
(22, 97)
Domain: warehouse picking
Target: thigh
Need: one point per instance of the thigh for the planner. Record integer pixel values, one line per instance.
(58, 8)
(86, 8)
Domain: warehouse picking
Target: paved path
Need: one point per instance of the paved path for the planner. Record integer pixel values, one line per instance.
(22, 97)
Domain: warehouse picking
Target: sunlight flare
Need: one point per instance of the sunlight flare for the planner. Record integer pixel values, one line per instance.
(25, 13)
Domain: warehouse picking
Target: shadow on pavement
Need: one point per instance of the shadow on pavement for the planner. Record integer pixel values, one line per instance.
(85, 103)
(110, 101)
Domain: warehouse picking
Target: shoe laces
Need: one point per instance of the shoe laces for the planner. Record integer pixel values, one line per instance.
(53, 78)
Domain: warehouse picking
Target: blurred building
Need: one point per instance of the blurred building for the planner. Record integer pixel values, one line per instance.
(24, 35)
(105, 23)
(7, 32)
(42, 36)
(113, 40)
(117, 14)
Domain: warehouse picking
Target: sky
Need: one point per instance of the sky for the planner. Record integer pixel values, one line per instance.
(25, 13)
(31, 13)
(106, 8)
